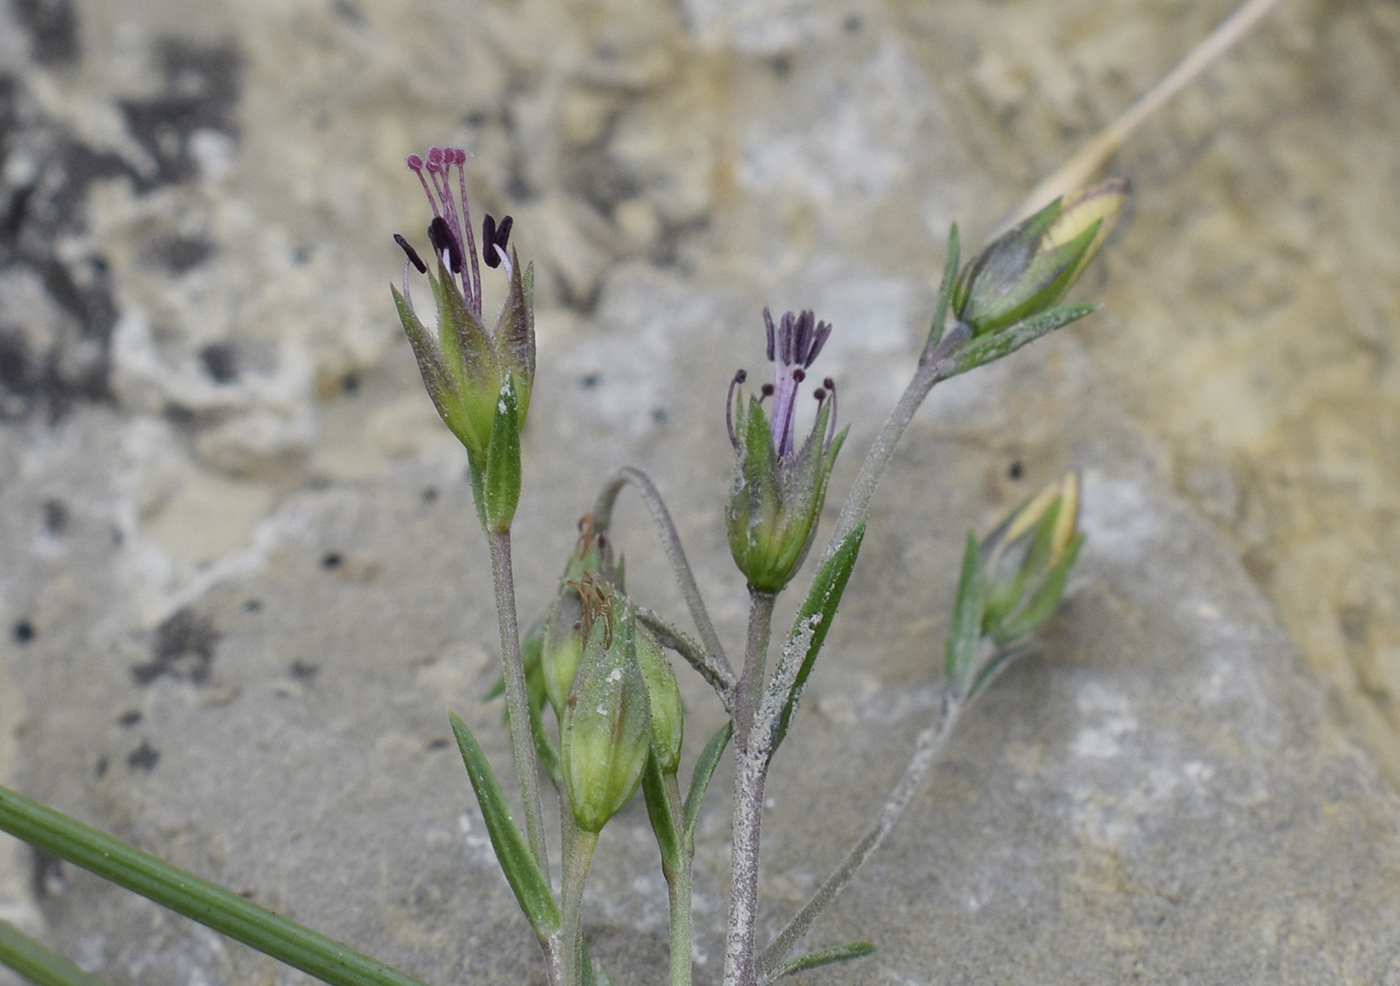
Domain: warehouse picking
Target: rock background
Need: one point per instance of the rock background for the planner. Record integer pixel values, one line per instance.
(240, 575)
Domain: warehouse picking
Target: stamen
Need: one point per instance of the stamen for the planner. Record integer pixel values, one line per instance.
(830, 386)
(739, 378)
(413, 257)
(445, 244)
(768, 324)
(494, 240)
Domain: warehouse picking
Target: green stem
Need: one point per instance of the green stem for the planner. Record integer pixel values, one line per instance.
(750, 772)
(678, 889)
(576, 863)
(518, 719)
(36, 963)
(212, 906)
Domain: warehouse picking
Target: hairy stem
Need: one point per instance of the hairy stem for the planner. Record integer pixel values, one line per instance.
(750, 773)
(927, 749)
(518, 717)
(675, 553)
(678, 891)
(576, 863)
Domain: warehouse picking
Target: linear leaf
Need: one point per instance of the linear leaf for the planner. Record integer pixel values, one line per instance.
(531, 887)
(821, 602)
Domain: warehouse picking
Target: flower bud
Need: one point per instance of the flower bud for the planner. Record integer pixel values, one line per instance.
(1030, 267)
(606, 732)
(1026, 561)
(564, 632)
(664, 701)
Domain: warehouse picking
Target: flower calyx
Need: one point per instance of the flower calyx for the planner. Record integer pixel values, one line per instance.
(779, 487)
(467, 368)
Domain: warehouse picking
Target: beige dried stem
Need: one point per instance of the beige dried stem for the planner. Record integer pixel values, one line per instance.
(1080, 169)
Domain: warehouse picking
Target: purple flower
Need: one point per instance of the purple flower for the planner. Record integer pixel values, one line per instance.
(779, 487)
(466, 367)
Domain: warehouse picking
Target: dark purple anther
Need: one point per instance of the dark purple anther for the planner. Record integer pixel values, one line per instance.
(445, 245)
(413, 257)
(494, 240)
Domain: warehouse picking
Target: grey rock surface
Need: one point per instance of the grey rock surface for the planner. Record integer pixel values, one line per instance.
(241, 577)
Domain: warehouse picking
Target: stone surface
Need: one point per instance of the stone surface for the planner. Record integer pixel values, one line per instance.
(241, 579)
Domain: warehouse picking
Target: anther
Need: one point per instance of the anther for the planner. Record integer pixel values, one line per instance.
(440, 234)
(413, 257)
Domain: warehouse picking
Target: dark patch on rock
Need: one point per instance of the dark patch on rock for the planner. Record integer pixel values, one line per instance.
(53, 30)
(183, 650)
(332, 559)
(220, 362)
(144, 758)
(180, 254)
(100, 770)
(23, 631)
(202, 86)
(129, 718)
(46, 877)
(55, 516)
(304, 670)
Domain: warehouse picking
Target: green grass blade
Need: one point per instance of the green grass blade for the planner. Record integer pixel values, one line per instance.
(198, 899)
(36, 963)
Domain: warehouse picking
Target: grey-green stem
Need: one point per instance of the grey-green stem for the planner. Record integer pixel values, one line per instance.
(521, 742)
(750, 773)
(927, 750)
(675, 554)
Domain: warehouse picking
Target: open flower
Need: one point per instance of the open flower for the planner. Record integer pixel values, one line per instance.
(778, 487)
(1031, 266)
(467, 368)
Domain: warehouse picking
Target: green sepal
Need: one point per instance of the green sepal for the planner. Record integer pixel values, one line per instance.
(529, 884)
(821, 602)
(441, 386)
(515, 335)
(945, 295)
(478, 480)
(821, 957)
(663, 823)
(1047, 597)
(1001, 264)
(965, 628)
(501, 483)
(1045, 281)
(986, 349)
(700, 779)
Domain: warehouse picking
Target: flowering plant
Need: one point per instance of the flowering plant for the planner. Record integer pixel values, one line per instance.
(592, 703)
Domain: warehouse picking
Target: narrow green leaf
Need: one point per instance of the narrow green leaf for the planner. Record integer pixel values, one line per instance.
(986, 349)
(531, 887)
(37, 964)
(965, 627)
(821, 602)
(945, 295)
(501, 488)
(700, 780)
(821, 957)
(663, 824)
(198, 899)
